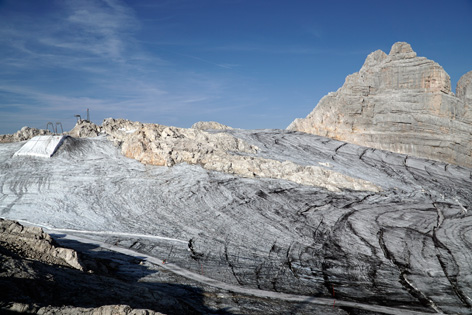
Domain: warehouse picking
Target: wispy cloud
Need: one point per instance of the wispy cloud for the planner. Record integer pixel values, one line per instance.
(100, 27)
(91, 45)
(221, 65)
(142, 99)
(86, 54)
(74, 31)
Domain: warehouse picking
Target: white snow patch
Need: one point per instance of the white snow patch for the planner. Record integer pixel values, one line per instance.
(41, 146)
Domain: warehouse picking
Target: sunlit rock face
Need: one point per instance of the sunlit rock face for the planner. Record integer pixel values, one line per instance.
(161, 145)
(401, 103)
(208, 125)
(85, 128)
(464, 90)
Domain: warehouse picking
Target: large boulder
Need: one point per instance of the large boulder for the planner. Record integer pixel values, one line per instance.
(401, 103)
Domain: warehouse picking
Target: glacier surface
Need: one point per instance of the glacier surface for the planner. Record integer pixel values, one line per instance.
(407, 247)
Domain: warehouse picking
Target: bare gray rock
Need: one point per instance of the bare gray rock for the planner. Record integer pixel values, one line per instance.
(401, 103)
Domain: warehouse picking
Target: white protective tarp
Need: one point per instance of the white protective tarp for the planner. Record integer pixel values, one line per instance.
(42, 146)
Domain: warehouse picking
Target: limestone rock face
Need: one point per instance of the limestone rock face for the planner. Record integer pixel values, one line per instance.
(401, 103)
(167, 146)
(207, 125)
(23, 134)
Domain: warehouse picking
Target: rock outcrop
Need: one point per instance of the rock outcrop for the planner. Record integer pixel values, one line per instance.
(23, 134)
(167, 146)
(33, 243)
(401, 103)
(71, 310)
(208, 125)
(85, 128)
(38, 276)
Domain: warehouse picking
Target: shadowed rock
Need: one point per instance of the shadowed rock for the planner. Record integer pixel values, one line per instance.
(33, 243)
(464, 90)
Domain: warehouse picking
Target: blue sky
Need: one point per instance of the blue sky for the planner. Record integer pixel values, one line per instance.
(248, 64)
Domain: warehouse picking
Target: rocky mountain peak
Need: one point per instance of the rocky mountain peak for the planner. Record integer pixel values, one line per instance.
(402, 50)
(402, 103)
(374, 58)
(464, 88)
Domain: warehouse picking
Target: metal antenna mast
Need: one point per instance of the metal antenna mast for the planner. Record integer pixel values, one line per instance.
(52, 126)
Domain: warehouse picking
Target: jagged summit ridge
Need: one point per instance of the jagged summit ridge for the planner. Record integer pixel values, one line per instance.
(402, 103)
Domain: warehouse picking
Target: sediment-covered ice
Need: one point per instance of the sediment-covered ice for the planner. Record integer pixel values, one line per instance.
(405, 246)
